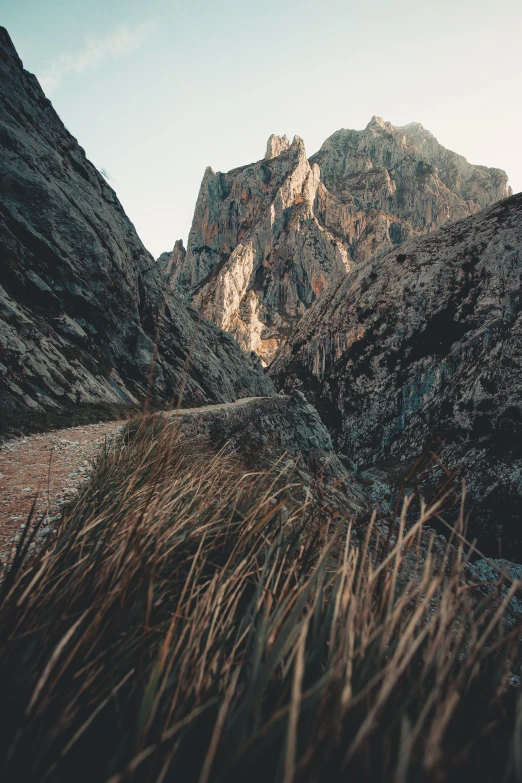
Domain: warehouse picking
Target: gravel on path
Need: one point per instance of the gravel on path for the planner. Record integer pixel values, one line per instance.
(48, 467)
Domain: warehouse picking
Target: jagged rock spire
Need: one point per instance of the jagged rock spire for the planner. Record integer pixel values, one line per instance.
(276, 145)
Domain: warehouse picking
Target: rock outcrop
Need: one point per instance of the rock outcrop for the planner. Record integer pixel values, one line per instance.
(276, 145)
(85, 315)
(268, 238)
(491, 572)
(257, 256)
(403, 173)
(169, 262)
(425, 343)
(284, 429)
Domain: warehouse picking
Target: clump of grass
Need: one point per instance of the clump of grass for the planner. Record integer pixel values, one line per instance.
(181, 627)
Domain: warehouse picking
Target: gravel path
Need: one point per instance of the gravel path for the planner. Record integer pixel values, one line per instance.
(219, 406)
(48, 467)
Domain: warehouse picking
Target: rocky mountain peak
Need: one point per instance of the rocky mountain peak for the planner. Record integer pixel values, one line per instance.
(170, 261)
(178, 254)
(279, 144)
(379, 124)
(414, 126)
(276, 145)
(405, 172)
(298, 144)
(269, 237)
(8, 48)
(257, 256)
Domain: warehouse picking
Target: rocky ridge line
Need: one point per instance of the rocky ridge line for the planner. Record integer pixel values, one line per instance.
(268, 238)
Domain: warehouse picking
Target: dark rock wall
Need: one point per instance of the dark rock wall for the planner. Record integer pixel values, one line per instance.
(80, 297)
(423, 344)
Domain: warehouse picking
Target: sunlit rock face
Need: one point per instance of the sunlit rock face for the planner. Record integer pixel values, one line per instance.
(392, 172)
(276, 145)
(86, 315)
(425, 343)
(257, 255)
(268, 238)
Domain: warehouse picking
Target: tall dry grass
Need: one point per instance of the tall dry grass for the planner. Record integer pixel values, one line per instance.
(186, 624)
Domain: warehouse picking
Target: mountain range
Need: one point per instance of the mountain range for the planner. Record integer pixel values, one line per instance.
(268, 238)
(378, 280)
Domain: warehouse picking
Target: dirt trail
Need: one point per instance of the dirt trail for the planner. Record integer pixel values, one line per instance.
(219, 406)
(48, 466)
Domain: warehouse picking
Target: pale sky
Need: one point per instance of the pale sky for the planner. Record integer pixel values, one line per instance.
(156, 91)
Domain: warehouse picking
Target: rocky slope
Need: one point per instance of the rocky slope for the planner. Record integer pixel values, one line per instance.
(402, 173)
(82, 303)
(425, 343)
(266, 239)
(283, 429)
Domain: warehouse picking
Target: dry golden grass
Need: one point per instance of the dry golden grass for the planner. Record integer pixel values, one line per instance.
(180, 627)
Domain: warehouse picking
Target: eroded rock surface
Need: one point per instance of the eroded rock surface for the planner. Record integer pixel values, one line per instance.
(257, 256)
(268, 238)
(285, 428)
(491, 572)
(425, 343)
(402, 173)
(82, 303)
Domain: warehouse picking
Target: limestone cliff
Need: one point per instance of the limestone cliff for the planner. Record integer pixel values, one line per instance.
(266, 239)
(257, 255)
(391, 182)
(85, 316)
(425, 343)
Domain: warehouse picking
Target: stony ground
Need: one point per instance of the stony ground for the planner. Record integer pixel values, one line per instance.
(49, 468)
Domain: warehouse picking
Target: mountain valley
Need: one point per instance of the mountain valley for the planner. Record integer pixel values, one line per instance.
(260, 497)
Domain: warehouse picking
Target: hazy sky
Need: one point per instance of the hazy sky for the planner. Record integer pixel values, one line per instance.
(156, 91)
